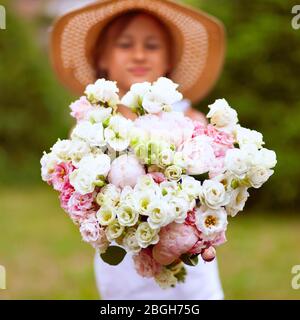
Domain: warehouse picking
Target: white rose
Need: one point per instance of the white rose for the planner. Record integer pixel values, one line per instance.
(157, 214)
(247, 136)
(48, 163)
(103, 91)
(213, 194)
(127, 215)
(143, 199)
(90, 133)
(222, 115)
(125, 170)
(146, 235)
(114, 230)
(98, 115)
(117, 134)
(109, 196)
(79, 149)
(267, 158)
(82, 181)
(236, 161)
(258, 175)
(238, 198)
(167, 89)
(134, 97)
(211, 222)
(173, 172)
(199, 154)
(98, 164)
(179, 208)
(106, 215)
(191, 186)
(166, 157)
(153, 103)
(130, 241)
(61, 149)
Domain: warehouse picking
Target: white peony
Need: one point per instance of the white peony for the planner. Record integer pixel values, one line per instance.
(146, 235)
(213, 194)
(117, 134)
(90, 133)
(125, 170)
(210, 222)
(103, 91)
(222, 115)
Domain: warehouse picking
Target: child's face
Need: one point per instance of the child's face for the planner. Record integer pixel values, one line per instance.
(139, 54)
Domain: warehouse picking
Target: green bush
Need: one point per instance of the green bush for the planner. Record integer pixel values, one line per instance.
(261, 80)
(33, 106)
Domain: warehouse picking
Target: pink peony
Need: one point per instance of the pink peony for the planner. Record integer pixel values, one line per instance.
(172, 127)
(125, 170)
(175, 239)
(145, 265)
(60, 176)
(80, 108)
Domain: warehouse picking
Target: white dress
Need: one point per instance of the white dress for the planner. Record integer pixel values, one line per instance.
(122, 282)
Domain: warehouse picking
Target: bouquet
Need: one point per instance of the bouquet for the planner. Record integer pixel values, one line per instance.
(160, 187)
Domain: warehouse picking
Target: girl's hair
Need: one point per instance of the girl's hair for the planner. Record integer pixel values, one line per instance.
(113, 30)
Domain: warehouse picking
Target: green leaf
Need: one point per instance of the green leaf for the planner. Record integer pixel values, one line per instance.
(190, 260)
(201, 177)
(113, 255)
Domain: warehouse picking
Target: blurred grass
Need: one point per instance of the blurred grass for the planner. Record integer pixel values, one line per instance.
(46, 259)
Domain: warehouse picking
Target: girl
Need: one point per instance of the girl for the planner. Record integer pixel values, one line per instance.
(135, 41)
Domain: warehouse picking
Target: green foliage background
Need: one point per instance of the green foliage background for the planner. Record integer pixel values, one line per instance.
(260, 79)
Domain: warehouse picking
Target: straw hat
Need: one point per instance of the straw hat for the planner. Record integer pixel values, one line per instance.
(199, 43)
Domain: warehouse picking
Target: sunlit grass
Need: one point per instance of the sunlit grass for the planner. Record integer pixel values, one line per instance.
(46, 259)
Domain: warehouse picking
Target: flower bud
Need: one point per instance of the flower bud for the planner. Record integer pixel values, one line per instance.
(208, 254)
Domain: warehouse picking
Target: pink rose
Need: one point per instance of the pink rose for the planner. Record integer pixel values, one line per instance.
(65, 195)
(145, 265)
(158, 177)
(174, 240)
(81, 206)
(60, 176)
(125, 170)
(80, 108)
(90, 229)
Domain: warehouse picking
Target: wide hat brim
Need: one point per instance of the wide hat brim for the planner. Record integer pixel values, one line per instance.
(199, 43)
